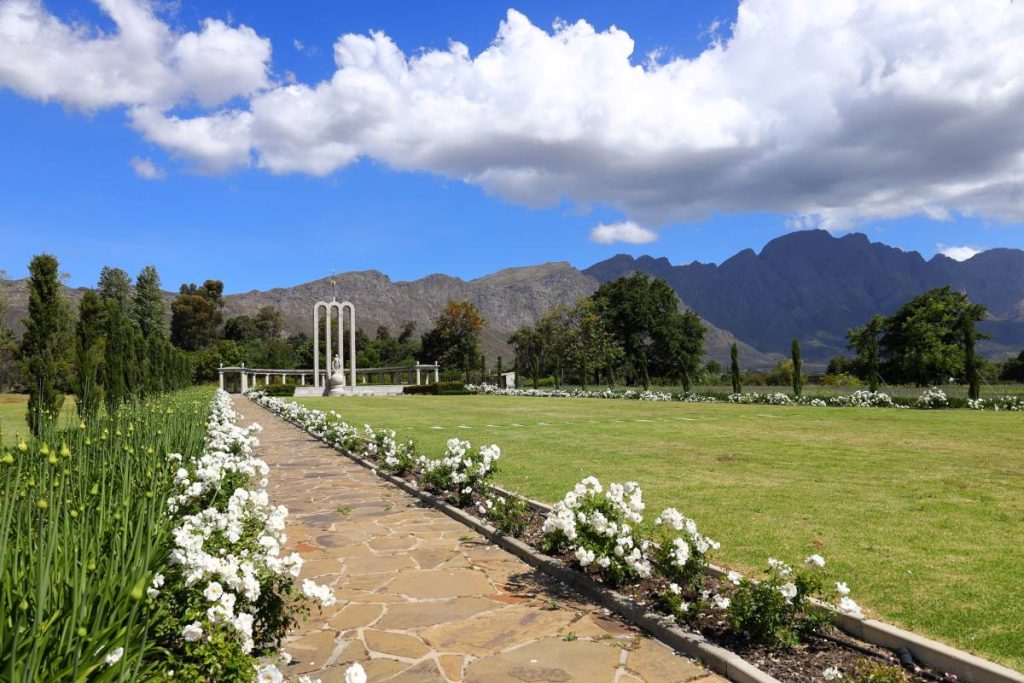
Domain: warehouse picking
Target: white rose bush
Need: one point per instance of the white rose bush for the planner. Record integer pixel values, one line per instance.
(861, 398)
(227, 594)
(142, 542)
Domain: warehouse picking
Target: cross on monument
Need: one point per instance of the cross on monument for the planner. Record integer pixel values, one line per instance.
(334, 286)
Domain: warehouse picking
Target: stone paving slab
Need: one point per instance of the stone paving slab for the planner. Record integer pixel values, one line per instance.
(422, 598)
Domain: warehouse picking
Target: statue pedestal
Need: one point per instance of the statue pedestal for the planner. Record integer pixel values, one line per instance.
(337, 384)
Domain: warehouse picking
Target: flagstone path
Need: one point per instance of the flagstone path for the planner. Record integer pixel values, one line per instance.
(422, 598)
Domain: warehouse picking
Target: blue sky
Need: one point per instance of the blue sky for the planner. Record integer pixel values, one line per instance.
(70, 188)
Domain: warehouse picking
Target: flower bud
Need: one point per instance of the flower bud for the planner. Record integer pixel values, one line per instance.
(42, 504)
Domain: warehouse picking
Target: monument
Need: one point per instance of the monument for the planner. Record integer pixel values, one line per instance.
(332, 380)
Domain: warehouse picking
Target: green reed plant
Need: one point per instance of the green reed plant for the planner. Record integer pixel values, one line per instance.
(83, 529)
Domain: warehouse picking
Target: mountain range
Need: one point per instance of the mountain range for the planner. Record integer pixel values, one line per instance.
(808, 284)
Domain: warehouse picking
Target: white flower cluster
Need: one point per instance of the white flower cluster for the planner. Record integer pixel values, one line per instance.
(933, 397)
(629, 394)
(460, 470)
(599, 527)
(862, 398)
(774, 399)
(694, 541)
(225, 550)
(1014, 403)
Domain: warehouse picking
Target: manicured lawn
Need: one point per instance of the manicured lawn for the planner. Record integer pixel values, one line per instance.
(921, 512)
(12, 415)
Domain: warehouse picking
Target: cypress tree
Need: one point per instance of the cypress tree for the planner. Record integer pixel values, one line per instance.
(734, 368)
(970, 337)
(500, 370)
(798, 370)
(150, 309)
(89, 345)
(119, 355)
(46, 342)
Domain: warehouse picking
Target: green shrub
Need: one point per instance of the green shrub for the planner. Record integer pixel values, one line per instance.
(876, 672)
(775, 611)
(508, 514)
(420, 389)
(452, 388)
(279, 389)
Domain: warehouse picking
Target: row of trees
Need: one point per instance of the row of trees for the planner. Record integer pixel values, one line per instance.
(630, 330)
(116, 348)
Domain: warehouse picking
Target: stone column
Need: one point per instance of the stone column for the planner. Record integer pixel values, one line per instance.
(245, 384)
(316, 344)
(417, 374)
(303, 380)
(220, 378)
(437, 374)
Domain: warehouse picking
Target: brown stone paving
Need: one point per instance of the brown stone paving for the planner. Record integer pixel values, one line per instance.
(422, 598)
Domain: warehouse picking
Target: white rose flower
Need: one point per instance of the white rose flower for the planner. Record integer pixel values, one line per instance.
(831, 674)
(114, 656)
(213, 591)
(269, 674)
(192, 632)
(355, 674)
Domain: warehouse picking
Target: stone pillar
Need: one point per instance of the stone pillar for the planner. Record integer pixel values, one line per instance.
(220, 379)
(437, 374)
(417, 374)
(266, 379)
(316, 344)
(303, 380)
(245, 384)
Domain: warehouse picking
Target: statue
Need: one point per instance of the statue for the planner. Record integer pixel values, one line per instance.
(337, 382)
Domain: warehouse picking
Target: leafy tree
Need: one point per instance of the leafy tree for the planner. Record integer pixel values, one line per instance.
(592, 345)
(923, 342)
(241, 328)
(455, 339)
(150, 309)
(90, 342)
(46, 342)
(115, 284)
(529, 350)
(1013, 369)
(781, 375)
(682, 336)
(269, 323)
(970, 314)
(864, 340)
(643, 315)
(8, 342)
(407, 333)
(196, 315)
(798, 369)
(734, 368)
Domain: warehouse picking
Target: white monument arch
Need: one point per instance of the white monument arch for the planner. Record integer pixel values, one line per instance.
(333, 378)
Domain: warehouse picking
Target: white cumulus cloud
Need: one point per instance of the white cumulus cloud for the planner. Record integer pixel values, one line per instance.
(831, 113)
(958, 253)
(143, 63)
(146, 169)
(626, 231)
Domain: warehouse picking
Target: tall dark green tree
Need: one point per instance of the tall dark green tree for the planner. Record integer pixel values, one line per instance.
(8, 342)
(150, 309)
(46, 342)
(970, 315)
(119, 356)
(116, 285)
(196, 315)
(798, 369)
(89, 354)
(269, 323)
(734, 368)
(864, 340)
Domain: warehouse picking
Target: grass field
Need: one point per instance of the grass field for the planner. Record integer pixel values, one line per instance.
(922, 512)
(12, 416)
